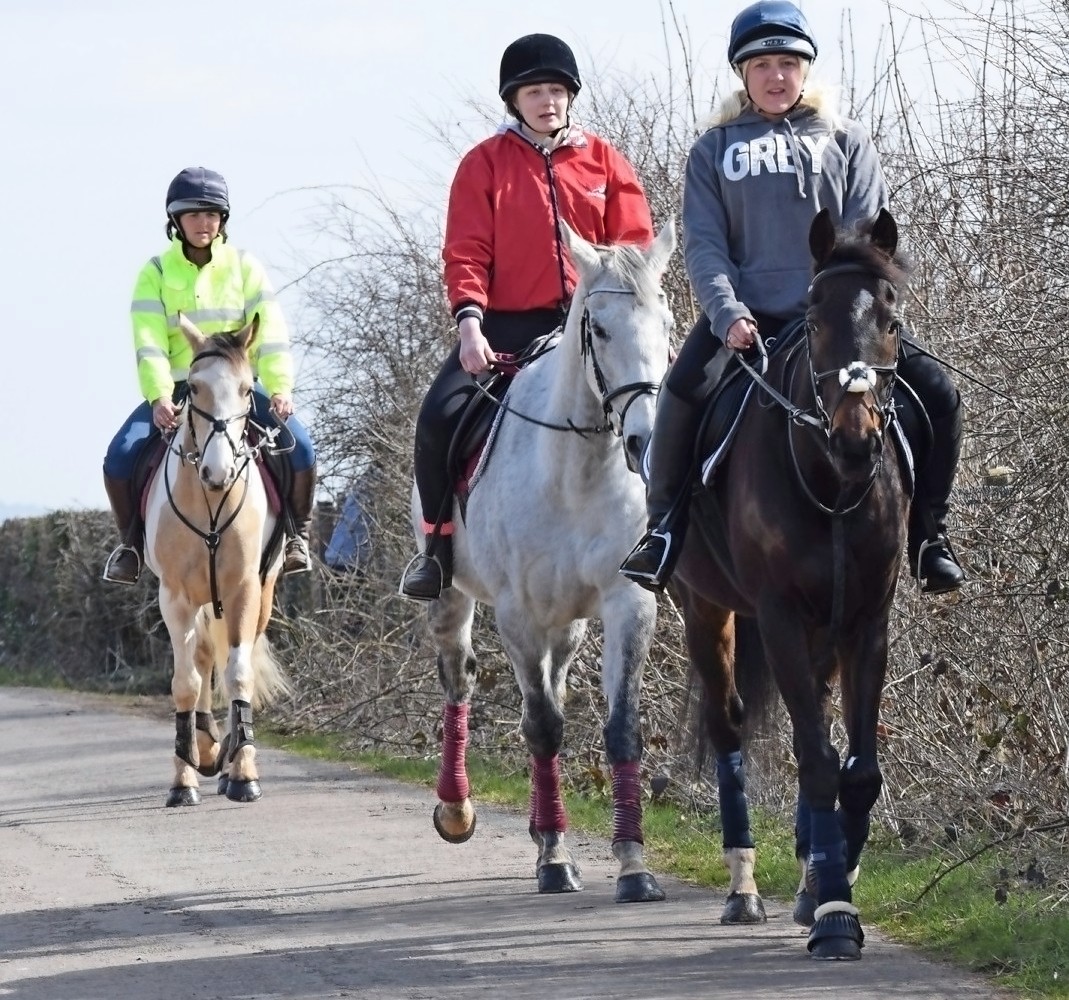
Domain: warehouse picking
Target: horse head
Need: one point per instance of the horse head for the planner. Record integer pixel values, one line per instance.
(625, 323)
(220, 402)
(853, 332)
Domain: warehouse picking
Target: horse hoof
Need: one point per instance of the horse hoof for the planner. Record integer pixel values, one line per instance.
(243, 791)
(221, 785)
(183, 797)
(805, 908)
(639, 887)
(743, 908)
(448, 836)
(836, 937)
(559, 878)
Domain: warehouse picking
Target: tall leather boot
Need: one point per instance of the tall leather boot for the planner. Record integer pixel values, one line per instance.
(431, 571)
(124, 563)
(675, 428)
(298, 559)
(931, 559)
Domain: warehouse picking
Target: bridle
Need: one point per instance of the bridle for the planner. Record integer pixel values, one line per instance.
(856, 377)
(608, 396)
(246, 454)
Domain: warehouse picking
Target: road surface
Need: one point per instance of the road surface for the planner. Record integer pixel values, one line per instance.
(336, 885)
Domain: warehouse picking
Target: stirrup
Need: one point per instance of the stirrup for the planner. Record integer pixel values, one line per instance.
(422, 561)
(297, 543)
(114, 558)
(654, 579)
(923, 581)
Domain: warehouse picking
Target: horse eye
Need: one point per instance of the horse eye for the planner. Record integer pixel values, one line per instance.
(598, 330)
(193, 388)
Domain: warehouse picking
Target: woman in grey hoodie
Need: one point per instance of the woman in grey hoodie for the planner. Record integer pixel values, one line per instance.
(775, 156)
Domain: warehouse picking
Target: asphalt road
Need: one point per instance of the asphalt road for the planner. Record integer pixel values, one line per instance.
(336, 885)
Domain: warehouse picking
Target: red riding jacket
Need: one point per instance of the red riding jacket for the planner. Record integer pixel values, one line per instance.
(502, 247)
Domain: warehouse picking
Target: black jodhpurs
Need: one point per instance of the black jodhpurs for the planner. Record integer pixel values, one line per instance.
(507, 333)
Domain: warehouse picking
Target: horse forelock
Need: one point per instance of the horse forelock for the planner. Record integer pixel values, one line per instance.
(859, 251)
(628, 265)
(225, 347)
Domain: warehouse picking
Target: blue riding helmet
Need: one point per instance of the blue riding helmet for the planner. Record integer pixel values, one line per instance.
(537, 59)
(197, 189)
(769, 27)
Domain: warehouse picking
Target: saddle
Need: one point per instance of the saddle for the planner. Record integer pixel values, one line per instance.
(473, 440)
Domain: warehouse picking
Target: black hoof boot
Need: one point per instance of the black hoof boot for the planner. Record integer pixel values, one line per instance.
(836, 935)
(639, 887)
(183, 797)
(559, 878)
(743, 908)
(805, 908)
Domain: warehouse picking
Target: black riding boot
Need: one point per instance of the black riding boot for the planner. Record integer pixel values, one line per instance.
(124, 563)
(431, 571)
(938, 571)
(675, 429)
(298, 559)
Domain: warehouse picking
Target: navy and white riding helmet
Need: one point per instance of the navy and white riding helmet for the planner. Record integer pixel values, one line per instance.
(537, 59)
(770, 27)
(197, 189)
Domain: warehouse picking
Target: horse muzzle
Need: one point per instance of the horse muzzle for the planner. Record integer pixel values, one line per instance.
(217, 480)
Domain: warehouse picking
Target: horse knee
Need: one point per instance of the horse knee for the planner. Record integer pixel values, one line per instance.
(543, 729)
(818, 778)
(859, 786)
(623, 737)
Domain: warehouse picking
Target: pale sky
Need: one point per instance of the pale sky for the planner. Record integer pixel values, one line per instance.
(105, 101)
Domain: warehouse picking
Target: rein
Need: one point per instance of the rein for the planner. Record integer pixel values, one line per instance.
(246, 455)
(607, 395)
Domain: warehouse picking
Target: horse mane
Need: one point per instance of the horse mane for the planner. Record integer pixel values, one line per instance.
(858, 250)
(631, 265)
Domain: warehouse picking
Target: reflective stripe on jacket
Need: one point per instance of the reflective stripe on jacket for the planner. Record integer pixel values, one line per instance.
(223, 295)
(501, 248)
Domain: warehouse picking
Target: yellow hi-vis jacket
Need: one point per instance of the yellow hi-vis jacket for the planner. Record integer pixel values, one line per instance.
(223, 295)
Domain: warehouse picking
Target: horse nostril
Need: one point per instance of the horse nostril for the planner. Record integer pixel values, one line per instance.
(633, 446)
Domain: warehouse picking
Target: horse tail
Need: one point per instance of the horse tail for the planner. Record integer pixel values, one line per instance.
(753, 678)
(270, 682)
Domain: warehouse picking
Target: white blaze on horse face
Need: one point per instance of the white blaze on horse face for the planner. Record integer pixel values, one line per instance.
(221, 396)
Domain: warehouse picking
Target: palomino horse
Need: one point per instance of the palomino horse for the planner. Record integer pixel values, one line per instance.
(207, 525)
(545, 529)
(802, 531)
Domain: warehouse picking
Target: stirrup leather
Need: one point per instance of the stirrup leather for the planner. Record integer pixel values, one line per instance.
(113, 558)
(657, 577)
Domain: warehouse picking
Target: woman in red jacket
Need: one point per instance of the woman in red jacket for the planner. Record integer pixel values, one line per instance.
(507, 273)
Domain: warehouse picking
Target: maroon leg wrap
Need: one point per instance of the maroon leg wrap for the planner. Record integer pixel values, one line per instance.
(453, 771)
(545, 793)
(626, 802)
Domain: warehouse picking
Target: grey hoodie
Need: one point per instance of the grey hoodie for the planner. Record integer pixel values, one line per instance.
(747, 208)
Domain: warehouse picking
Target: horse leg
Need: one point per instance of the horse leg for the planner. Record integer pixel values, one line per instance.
(804, 684)
(710, 636)
(180, 617)
(449, 619)
(541, 667)
(628, 618)
(206, 732)
(242, 614)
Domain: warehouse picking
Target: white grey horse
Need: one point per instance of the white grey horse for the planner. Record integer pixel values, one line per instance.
(557, 507)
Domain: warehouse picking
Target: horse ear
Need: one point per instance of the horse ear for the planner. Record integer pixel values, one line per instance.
(885, 232)
(661, 249)
(196, 339)
(247, 334)
(821, 236)
(584, 254)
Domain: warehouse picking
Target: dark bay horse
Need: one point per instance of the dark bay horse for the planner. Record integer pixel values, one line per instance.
(800, 534)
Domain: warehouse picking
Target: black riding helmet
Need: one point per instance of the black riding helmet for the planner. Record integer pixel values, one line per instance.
(196, 189)
(537, 59)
